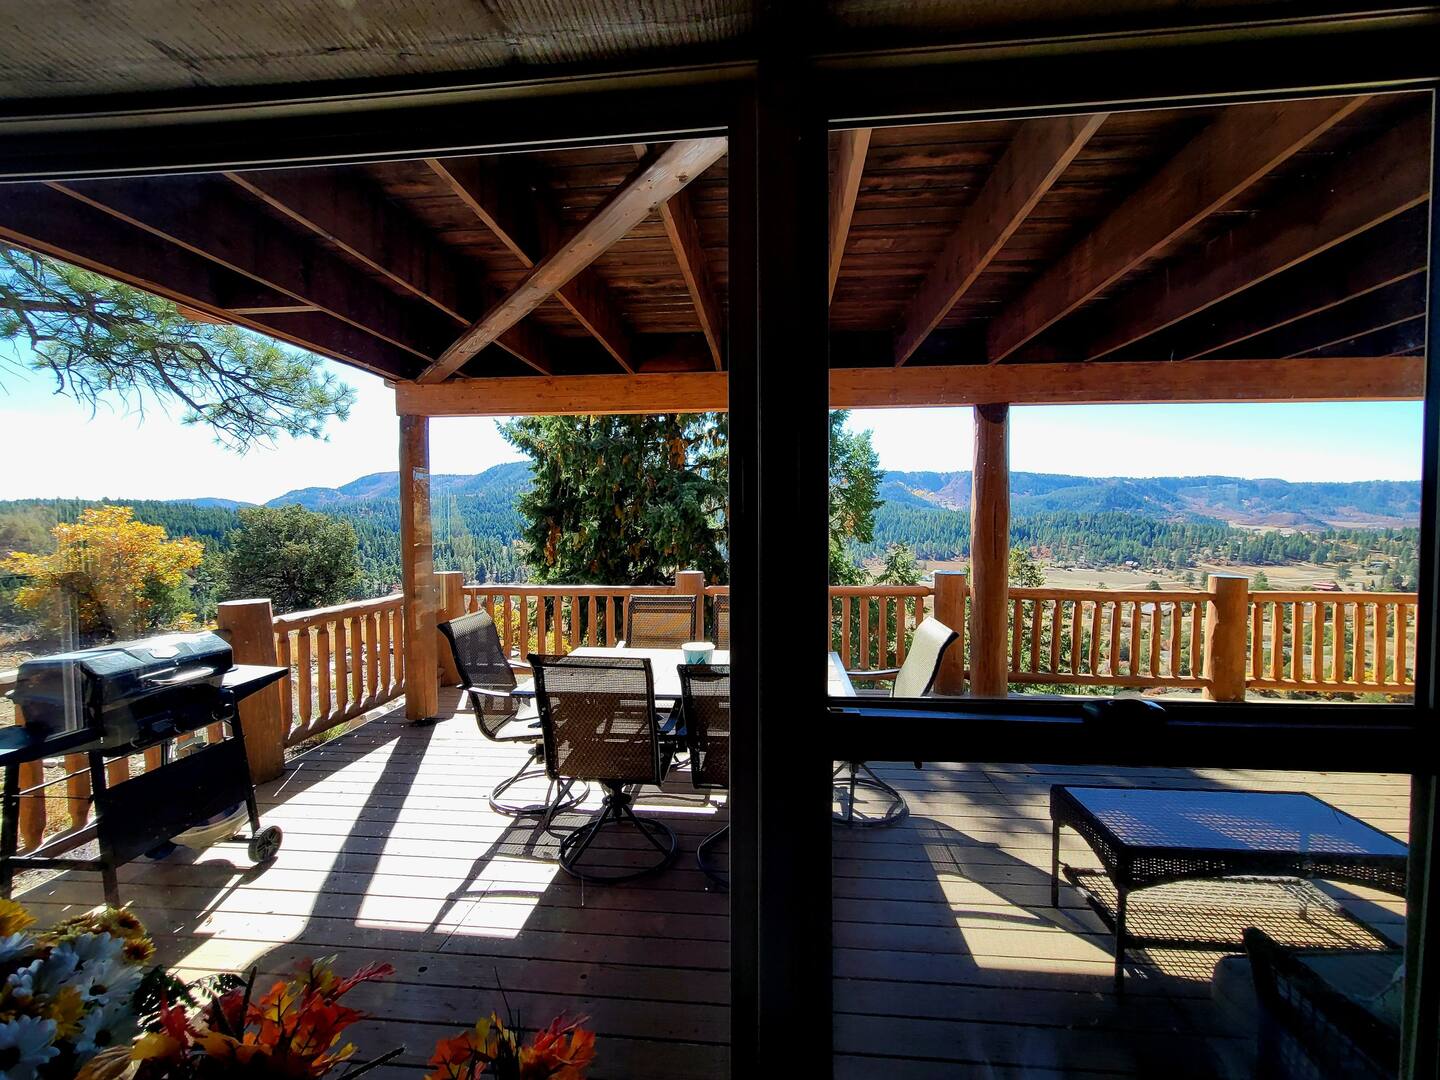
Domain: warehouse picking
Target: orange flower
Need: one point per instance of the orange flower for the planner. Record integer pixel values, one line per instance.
(560, 1052)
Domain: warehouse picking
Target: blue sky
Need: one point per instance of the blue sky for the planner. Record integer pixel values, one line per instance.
(59, 449)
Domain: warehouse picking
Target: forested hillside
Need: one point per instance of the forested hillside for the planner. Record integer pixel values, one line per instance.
(1171, 522)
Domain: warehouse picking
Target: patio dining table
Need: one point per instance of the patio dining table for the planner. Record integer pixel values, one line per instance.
(665, 666)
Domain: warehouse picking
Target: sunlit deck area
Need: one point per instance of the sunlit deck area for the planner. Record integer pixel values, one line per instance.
(948, 958)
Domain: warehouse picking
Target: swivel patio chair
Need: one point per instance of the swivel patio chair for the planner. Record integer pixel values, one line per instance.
(488, 679)
(705, 712)
(597, 714)
(660, 621)
(912, 679)
(722, 621)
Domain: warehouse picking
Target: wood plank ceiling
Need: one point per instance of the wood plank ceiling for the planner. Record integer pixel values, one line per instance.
(1253, 231)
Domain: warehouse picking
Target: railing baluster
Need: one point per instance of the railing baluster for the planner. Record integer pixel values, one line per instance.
(1155, 639)
(1055, 615)
(1358, 652)
(1317, 641)
(1297, 642)
(1277, 641)
(1176, 625)
(864, 633)
(342, 669)
(1134, 638)
(1017, 635)
(882, 628)
(1197, 637)
(1116, 617)
(1075, 644)
(304, 680)
(282, 659)
(1378, 632)
(322, 653)
(900, 628)
(1096, 615)
(1402, 631)
(1037, 615)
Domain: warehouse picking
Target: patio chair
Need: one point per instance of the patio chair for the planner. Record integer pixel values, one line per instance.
(663, 621)
(722, 621)
(597, 714)
(912, 679)
(705, 712)
(488, 679)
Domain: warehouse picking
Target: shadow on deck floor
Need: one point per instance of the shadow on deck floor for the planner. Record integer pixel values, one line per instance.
(949, 960)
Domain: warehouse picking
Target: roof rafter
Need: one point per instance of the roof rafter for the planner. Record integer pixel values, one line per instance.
(655, 180)
(1240, 146)
(1035, 159)
(854, 146)
(678, 217)
(359, 220)
(498, 195)
(1361, 190)
(51, 223)
(209, 218)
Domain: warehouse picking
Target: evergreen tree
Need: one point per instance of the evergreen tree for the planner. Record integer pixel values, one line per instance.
(624, 500)
(98, 339)
(298, 558)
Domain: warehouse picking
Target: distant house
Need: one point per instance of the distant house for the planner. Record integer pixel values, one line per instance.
(1325, 586)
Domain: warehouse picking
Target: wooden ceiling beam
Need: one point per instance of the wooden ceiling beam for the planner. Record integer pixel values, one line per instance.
(1368, 378)
(358, 219)
(207, 217)
(844, 190)
(1240, 146)
(495, 192)
(1035, 159)
(678, 216)
(1372, 261)
(1403, 337)
(654, 181)
(39, 219)
(1363, 189)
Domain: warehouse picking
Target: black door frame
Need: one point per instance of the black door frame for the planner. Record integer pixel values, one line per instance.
(780, 905)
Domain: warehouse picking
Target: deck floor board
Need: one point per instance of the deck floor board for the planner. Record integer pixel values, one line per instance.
(949, 960)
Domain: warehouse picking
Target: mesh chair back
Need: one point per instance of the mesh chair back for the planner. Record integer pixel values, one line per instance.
(722, 621)
(661, 621)
(705, 694)
(481, 661)
(597, 714)
(922, 659)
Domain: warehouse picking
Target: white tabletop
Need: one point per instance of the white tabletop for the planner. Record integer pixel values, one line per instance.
(665, 665)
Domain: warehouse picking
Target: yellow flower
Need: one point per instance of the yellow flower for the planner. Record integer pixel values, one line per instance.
(14, 918)
(154, 1044)
(66, 1009)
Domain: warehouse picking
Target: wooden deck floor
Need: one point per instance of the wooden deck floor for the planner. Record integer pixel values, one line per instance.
(948, 959)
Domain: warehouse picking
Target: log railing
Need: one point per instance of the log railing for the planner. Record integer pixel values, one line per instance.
(871, 625)
(1131, 639)
(343, 661)
(556, 618)
(1332, 643)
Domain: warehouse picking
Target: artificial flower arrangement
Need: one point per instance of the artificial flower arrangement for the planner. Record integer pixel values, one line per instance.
(69, 992)
(77, 1001)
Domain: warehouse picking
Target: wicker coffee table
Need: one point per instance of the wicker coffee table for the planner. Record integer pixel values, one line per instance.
(1219, 861)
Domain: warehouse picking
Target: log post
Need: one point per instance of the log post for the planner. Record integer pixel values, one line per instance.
(950, 610)
(1227, 618)
(250, 627)
(990, 552)
(692, 582)
(451, 586)
(417, 571)
(31, 823)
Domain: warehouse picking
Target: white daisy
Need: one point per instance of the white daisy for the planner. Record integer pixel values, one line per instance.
(25, 1045)
(113, 981)
(91, 949)
(14, 945)
(111, 1024)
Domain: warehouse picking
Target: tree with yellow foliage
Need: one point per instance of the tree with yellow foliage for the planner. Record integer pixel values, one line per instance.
(117, 577)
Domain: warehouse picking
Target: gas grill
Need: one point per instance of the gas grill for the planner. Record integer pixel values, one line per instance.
(117, 700)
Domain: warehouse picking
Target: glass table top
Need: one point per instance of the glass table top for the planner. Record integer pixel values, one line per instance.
(1232, 821)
